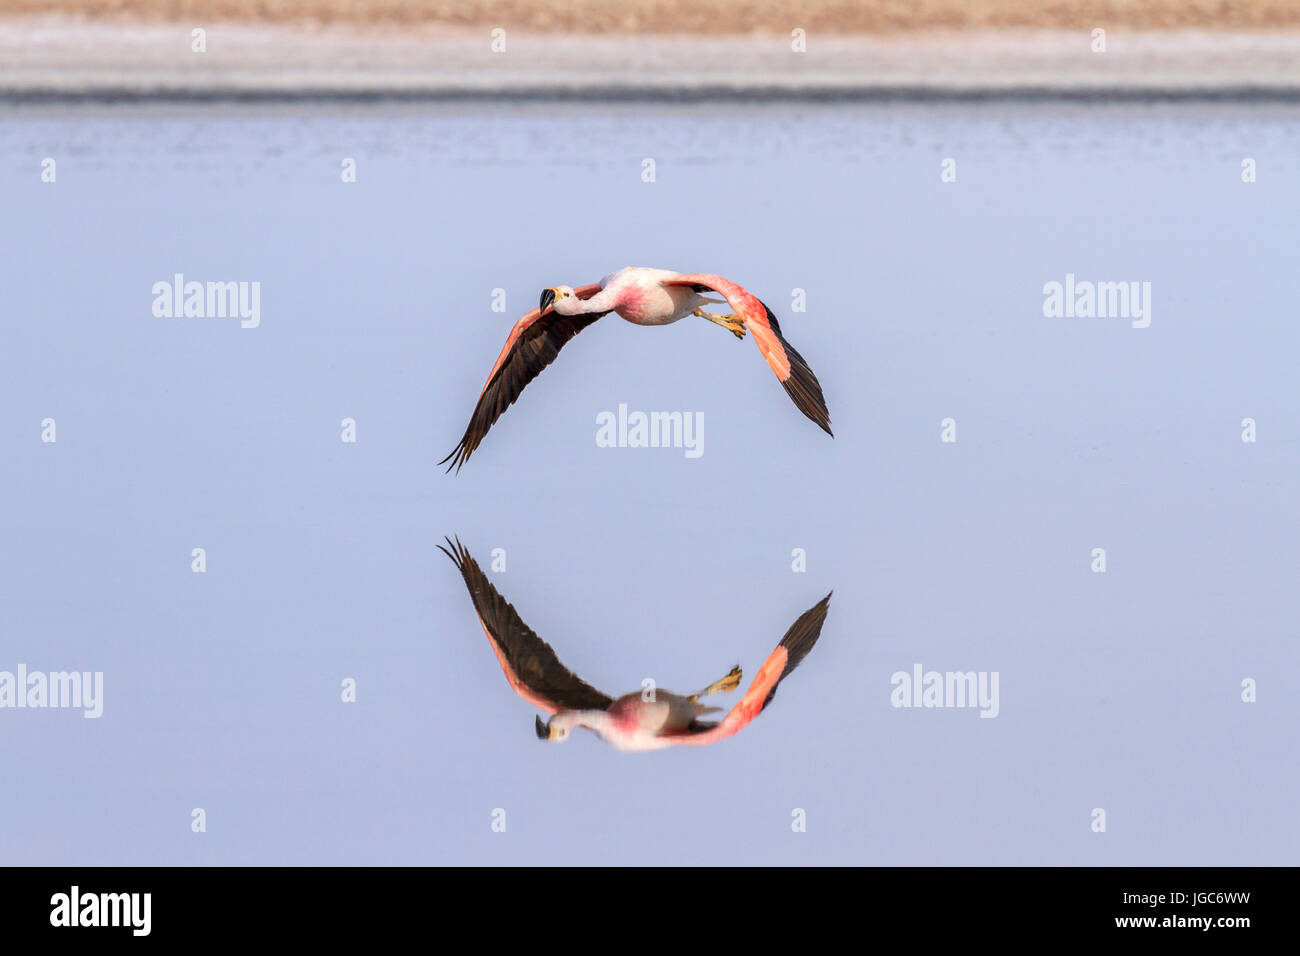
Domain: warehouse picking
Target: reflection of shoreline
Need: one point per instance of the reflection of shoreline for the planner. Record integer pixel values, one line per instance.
(111, 96)
(46, 59)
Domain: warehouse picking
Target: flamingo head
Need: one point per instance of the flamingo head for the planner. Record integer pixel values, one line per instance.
(561, 297)
(557, 728)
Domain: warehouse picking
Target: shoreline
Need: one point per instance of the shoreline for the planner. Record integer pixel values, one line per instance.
(642, 18)
(56, 59)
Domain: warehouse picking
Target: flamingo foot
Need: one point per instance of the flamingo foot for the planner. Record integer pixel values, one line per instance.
(730, 681)
(732, 323)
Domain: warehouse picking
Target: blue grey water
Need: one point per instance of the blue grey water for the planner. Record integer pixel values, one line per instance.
(1120, 691)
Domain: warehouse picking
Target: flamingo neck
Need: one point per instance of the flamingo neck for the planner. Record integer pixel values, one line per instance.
(597, 720)
(606, 300)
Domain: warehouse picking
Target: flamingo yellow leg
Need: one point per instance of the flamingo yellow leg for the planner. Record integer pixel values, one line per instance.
(720, 686)
(732, 323)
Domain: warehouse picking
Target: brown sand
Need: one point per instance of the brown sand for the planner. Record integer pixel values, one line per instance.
(701, 16)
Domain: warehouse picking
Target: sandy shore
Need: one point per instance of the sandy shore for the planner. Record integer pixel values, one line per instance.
(707, 17)
(111, 59)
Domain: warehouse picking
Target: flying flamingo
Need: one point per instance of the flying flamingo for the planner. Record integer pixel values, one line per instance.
(631, 722)
(643, 297)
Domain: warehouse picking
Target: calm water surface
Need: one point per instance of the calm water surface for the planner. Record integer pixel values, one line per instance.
(924, 302)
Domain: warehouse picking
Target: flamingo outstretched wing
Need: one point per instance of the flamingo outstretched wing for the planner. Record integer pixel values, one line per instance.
(794, 647)
(793, 372)
(529, 663)
(532, 345)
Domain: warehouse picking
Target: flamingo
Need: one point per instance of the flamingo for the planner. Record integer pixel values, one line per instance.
(643, 297)
(630, 722)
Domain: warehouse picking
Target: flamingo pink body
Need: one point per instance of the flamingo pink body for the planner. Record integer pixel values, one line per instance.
(634, 722)
(637, 294)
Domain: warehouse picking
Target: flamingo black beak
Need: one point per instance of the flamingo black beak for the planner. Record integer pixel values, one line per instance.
(548, 296)
(543, 731)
